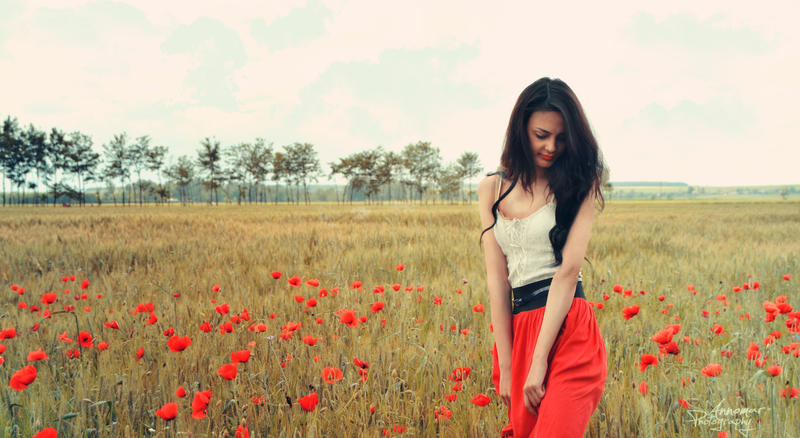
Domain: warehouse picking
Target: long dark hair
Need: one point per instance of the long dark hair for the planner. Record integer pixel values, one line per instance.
(577, 172)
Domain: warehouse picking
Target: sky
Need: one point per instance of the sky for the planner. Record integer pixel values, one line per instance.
(701, 92)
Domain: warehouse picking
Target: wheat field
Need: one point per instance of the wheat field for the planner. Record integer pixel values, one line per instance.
(163, 272)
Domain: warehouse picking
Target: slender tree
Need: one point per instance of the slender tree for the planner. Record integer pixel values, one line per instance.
(448, 181)
(10, 140)
(156, 156)
(469, 167)
(19, 163)
(182, 175)
(389, 170)
(423, 162)
(116, 160)
(138, 154)
(208, 158)
(304, 165)
(279, 171)
(58, 146)
(40, 158)
(83, 162)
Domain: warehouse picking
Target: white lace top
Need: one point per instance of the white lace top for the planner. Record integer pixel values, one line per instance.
(526, 245)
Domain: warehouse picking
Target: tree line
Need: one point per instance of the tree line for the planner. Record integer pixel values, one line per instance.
(56, 166)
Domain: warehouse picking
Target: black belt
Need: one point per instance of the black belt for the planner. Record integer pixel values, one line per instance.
(534, 295)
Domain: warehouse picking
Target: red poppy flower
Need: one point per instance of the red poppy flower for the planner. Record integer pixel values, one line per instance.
(451, 397)
(168, 412)
(179, 343)
(348, 317)
(295, 281)
(200, 404)
(630, 311)
(647, 360)
(400, 267)
(37, 355)
(226, 327)
(85, 339)
(643, 388)
(792, 393)
(361, 363)
(49, 432)
(223, 309)
(310, 340)
(332, 374)
(112, 324)
(48, 298)
(227, 371)
(140, 353)
(22, 378)
(396, 287)
(180, 392)
(240, 356)
(215, 288)
(312, 302)
(313, 282)
(717, 329)
(102, 346)
(712, 370)
(275, 274)
(663, 336)
(2, 348)
(356, 284)
(787, 277)
(460, 374)
(309, 402)
(242, 432)
(774, 370)
(478, 308)
(481, 400)
(618, 288)
(442, 413)
(377, 306)
(683, 403)
(152, 320)
(9, 333)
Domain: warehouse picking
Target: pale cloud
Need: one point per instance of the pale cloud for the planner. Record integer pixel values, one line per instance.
(683, 90)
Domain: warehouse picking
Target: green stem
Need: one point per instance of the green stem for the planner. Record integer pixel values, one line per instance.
(772, 403)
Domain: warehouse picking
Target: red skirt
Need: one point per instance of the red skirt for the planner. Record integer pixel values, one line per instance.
(575, 379)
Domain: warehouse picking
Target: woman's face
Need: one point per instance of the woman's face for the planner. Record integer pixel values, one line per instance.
(546, 134)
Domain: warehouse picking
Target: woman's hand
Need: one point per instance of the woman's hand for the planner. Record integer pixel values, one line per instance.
(504, 391)
(533, 391)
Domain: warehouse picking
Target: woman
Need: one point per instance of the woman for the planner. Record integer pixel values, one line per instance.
(537, 211)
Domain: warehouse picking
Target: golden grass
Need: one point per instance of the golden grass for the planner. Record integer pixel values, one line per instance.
(133, 255)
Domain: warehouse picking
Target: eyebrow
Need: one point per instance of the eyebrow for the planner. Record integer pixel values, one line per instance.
(541, 129)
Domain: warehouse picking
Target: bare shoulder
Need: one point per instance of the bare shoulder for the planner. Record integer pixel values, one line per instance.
(487, 187)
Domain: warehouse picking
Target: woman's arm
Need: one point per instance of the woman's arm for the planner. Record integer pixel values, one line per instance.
(559, 299)
(497, 282)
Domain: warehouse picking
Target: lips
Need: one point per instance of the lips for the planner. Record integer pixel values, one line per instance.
(546, 157)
